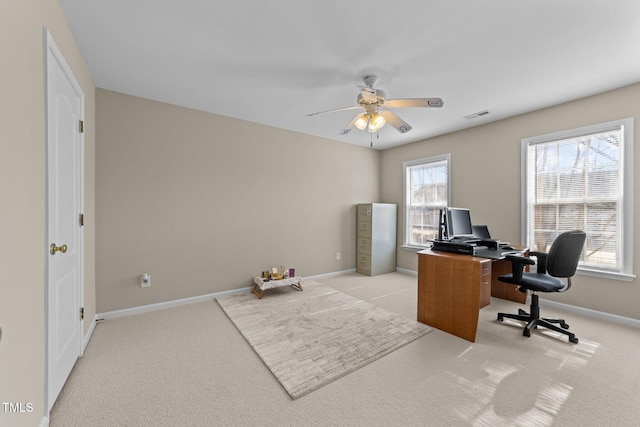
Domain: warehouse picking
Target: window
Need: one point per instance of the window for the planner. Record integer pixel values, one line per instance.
(582, 179)
(426, 184)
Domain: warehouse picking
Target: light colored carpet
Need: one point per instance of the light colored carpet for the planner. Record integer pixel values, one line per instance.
(308, 339)
(189, 366)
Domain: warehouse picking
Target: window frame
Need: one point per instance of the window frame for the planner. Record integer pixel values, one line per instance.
(626, 164)
(407, 197)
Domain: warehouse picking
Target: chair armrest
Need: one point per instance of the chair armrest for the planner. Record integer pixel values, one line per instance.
(542, 261)
(517, 265)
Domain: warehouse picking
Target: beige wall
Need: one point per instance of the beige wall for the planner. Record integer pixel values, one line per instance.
(204, 202)
(22, 177)
(485, 177)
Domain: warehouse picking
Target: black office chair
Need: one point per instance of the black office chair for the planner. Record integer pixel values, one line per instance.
(560, 262)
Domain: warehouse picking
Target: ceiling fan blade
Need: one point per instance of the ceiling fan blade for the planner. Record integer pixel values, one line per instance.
(351, 125)
(395, 121)
(353, 107)
(414, 103)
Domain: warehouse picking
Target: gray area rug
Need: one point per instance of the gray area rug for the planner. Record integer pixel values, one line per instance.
(312, 337)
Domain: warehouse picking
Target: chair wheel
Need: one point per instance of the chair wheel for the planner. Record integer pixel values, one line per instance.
(500, 318)
(574, 340)
(526, 332)
(564, 325)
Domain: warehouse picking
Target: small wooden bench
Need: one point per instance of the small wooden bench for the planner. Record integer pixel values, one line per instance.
(260, 285)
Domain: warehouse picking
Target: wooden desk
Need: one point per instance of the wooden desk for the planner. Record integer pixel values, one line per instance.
(452, 288)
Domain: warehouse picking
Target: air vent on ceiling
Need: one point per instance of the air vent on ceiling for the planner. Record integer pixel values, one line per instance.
(478, 114)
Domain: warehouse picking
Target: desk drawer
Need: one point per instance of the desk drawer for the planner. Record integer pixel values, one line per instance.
(485, 284)
(486, 269)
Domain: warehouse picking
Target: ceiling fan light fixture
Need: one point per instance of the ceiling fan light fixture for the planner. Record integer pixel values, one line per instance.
(376, 122)
(362, 121)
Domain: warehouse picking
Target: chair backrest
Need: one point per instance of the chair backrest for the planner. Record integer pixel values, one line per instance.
(564, 254)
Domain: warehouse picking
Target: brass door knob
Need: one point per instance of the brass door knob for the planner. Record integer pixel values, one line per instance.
(55, 249)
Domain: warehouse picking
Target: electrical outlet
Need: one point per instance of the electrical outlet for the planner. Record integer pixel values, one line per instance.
(337, 256)
(145, 280)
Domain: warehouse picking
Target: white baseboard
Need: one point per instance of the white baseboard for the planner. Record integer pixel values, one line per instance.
(158, 306)
(406, 271)
(165, 304)
(44, 422)
(591, 313)
(335, 273)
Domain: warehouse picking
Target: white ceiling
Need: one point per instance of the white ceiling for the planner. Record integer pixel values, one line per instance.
(272, 62)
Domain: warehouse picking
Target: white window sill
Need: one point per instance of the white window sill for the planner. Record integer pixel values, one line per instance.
(606, 274)
(414, 248)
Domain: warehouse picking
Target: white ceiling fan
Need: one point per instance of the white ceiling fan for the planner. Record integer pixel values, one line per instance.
(376, 109)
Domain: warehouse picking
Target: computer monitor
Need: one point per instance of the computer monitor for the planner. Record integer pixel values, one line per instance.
(481, 231)
(458, 223)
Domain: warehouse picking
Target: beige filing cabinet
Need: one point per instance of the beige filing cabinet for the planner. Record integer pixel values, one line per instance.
(376, 238)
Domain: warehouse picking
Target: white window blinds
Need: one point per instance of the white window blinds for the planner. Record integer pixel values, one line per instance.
(577, 182)
(426, 192)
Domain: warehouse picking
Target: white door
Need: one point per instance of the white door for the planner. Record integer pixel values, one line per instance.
(64, 152)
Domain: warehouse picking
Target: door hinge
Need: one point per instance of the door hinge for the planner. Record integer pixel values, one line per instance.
(81, 313)
(81, 220)
(81, 127)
